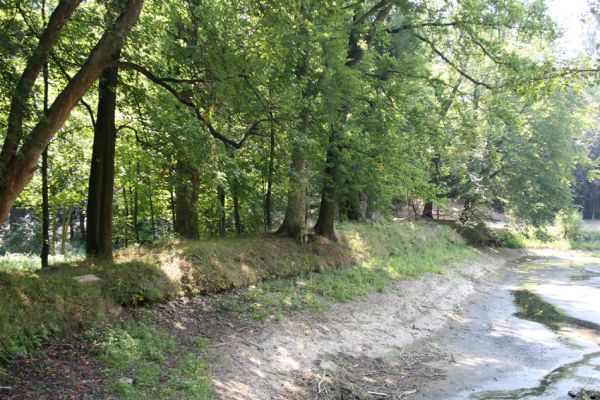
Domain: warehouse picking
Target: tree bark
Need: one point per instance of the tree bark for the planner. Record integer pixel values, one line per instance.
(427, 210)
(134, 214)
(222, 227)
(17, 165)
(45, 211)
(152, 222)
(102, 171)
(54, 228)
(45, 198)
(66, 221)
(186, 199)
(236, 209)
(61, 15)
(325, 225)
(82, 224)
(172, 204)
(270, 172)
(126, 211)
(294, 222)
(357, 207)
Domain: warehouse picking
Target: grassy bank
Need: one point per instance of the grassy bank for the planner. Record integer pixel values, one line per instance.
(388, 253)
(36, 306)
(585, 239)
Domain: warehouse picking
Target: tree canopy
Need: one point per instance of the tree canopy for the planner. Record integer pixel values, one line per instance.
(244, 116)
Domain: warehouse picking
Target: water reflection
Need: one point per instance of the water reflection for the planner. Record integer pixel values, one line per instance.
(533, 308)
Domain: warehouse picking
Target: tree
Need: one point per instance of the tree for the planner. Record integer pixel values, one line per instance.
(20, 153)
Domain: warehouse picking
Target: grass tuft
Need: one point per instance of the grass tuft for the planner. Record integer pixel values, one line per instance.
(391, 252)
(142, 362)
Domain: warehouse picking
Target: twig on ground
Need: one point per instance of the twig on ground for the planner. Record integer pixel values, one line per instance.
(319, 384)
(378, 394)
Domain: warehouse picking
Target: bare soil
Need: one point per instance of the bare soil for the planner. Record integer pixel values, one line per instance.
(360, 349)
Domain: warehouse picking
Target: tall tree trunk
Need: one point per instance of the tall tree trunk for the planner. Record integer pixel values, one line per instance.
(221, 194)
(17, 165)
(357, 206)
(72, 226)
(45, 198)
(187, 189)
(152, 223)
(427, 210)
(54, 229)
(294, 222)
(126, 209)
(135, 208)
(66, 221)
(45, 211)
(172, 194)
(82, 224)
(465, 215)
(102, 172)
(325, 225)
(270, 172)
(236, 208)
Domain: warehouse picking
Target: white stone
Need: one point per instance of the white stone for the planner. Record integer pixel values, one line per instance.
(87, 278)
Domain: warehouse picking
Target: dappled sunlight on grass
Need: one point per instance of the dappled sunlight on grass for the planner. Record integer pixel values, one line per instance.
(385, 263)
(551, 238)
(139, 352)
(297, 276)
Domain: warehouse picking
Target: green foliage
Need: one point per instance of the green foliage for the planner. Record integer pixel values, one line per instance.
(38, 308)
(552, 238)
(569, 222)
(507, 238)
(134, 283)
(393, 252)
(129, 343)
(139, 360)
(407, 105)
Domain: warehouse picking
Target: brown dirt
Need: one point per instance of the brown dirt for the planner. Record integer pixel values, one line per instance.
(62, 370)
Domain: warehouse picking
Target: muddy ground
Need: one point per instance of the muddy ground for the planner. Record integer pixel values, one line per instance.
(360, 349)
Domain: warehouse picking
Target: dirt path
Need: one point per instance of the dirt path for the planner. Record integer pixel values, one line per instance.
(356, 350)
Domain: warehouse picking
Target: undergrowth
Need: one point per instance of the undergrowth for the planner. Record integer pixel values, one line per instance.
(143, 361)
(586, 240)
(36, 306)
(391, 253)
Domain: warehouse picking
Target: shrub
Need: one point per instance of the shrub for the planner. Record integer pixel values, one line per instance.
(134, 283)
(569, 222)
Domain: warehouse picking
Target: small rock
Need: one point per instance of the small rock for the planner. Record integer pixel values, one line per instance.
(328, 366)
(87, 278)
(172, 304)
(115, 311)
(126, 381)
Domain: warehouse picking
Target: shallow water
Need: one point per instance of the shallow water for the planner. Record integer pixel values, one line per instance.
(536, 337)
